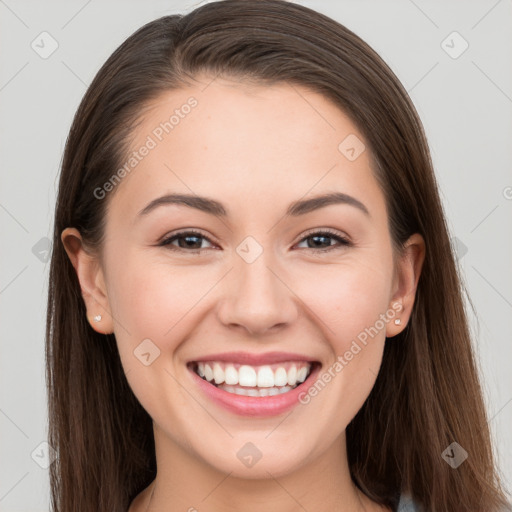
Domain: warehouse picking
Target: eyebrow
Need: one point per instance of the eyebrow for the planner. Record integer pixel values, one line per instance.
(295, 209)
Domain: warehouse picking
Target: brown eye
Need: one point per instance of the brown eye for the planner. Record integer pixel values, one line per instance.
(321, 241)
(189, 241)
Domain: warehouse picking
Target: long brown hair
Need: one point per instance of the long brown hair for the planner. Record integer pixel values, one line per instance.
(427, 394)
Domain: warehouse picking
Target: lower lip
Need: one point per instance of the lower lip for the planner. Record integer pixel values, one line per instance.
(256, 406)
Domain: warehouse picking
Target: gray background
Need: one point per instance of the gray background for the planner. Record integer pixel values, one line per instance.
(465, 104)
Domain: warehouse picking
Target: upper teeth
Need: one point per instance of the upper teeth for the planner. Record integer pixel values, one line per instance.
(266, 376)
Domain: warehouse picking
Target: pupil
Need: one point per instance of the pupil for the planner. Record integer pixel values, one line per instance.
(319, 237)
(319, 241)
(191, 245)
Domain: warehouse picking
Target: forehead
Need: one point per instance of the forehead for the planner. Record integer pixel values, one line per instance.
(223, 137)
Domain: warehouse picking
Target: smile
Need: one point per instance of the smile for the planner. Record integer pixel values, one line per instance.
(254, 385)
(254, 381)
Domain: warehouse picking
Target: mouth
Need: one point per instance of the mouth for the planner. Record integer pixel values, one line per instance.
(254, 381)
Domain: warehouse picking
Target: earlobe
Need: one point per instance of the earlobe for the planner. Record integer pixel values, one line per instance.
(90, 277)
(407, 275)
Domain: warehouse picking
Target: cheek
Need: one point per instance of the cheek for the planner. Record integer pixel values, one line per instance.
(346, 299)
(349, 307)
(151, 297)
(150, 302)
(349, 302)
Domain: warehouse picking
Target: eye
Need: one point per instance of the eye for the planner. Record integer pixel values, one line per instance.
(322, 238)
(191, 241)
(186, 240)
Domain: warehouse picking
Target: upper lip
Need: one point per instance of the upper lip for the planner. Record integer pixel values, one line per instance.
(253, 359)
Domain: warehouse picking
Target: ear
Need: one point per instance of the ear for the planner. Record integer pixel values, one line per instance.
(92, 284)
(405, 283)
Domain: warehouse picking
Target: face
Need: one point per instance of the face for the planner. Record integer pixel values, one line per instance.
(238, 295)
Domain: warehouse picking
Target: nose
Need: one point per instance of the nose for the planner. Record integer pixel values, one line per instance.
(257, 297)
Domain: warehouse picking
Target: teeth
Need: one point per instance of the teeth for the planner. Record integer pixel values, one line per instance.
(208, 372)
(265, 377)
(231, 375)
(218, 374)
(268, 378)
(292, 375)
(302, 374)
(281, 376)
(237, 390)
(247, 376)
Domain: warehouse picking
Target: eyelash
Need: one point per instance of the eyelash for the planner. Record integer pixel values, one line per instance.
(343, 242)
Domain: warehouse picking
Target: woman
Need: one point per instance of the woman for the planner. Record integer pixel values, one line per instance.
(253, 299)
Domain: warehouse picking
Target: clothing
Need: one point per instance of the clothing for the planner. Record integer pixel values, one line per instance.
(406, 504)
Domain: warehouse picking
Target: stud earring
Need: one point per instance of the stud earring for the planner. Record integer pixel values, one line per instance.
(97, 318)
(398, 321)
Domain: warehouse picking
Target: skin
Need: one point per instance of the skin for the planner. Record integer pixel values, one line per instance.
(255, 149)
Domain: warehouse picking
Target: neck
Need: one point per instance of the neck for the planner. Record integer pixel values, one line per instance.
(186, 483)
